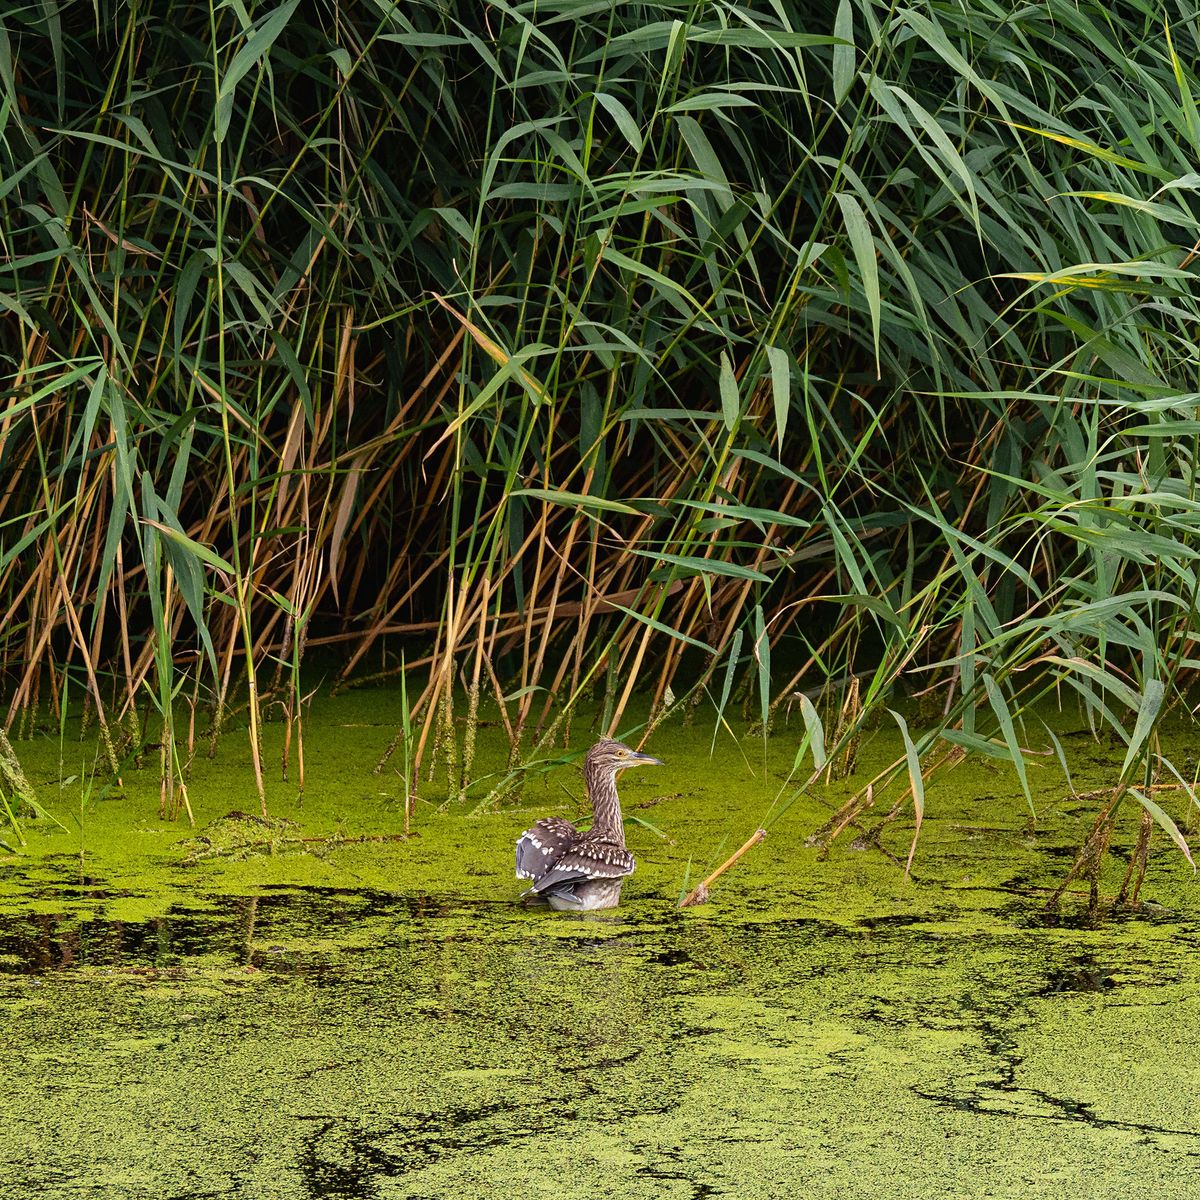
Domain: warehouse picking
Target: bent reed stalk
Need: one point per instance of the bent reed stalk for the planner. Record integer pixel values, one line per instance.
(550, 349)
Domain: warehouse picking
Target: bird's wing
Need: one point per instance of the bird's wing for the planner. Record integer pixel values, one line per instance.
(588, 859)
(539, 848)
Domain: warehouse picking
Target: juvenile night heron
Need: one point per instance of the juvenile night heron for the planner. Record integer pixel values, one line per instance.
(576, 871)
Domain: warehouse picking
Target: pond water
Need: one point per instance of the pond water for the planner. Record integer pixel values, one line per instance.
(381, 1019)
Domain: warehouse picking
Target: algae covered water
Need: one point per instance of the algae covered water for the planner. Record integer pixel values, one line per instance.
(333, 1011)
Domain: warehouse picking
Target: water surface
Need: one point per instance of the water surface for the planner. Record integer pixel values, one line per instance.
(315, 1042)
(381, 1019)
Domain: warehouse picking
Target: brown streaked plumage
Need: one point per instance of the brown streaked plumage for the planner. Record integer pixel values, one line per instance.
(578, 872)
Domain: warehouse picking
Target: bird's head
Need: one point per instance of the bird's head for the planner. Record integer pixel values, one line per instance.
(611, 756)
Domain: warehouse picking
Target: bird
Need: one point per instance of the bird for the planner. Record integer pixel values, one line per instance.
(579, 872)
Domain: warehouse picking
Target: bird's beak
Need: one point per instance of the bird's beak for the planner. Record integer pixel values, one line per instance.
(645, 760)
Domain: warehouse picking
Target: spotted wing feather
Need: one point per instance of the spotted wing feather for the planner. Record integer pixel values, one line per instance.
(589, 858)
(540, 847)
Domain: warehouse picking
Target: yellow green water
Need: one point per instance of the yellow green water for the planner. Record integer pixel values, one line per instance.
(367, 1019)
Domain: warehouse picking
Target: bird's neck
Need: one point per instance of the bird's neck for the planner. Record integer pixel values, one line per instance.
(606, 804)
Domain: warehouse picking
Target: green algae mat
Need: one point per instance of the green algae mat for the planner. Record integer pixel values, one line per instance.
(318, 1007)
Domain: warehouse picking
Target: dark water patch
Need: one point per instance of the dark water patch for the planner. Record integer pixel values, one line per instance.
(672, 1168)
(267, 929)
(45, 942)
(1033, 1104)
(1005, 1094)
(343, 1158)
(226, 926)
(607, 1063)
(1075, 915)
(1080, 975)
(879, 1011)
(1059, 852)
(890, 921)
(999, 1019)
(89, 890)
(674, 958)
(341, 1161)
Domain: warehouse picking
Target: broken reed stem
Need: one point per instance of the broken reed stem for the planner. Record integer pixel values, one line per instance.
(699, 894)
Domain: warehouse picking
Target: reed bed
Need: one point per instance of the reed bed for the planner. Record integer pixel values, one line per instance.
(570, 350)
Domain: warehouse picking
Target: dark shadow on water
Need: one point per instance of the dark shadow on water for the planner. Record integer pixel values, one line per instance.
(1074, 914)
(47, 942)
(890, 921)
(281, 929)
(1082, 974)
(247, 930)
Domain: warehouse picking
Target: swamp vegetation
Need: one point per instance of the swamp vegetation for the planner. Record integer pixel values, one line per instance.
(316, 1010)
(569, 353)
(394, 397)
